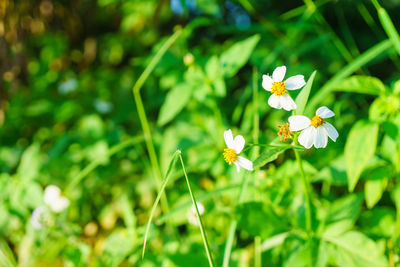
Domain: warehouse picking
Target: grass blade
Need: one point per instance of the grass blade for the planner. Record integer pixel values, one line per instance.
(360, 61)
(202, 231)
(160, 193)
(388, 26)
(302, 98)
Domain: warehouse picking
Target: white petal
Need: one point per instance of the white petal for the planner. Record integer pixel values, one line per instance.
(287, 102)
(298, 122)
(267, 82)
(307, 137)
(295, 82)
(245, 163)
(274, 101)
(51, 193)
(37, 217)
(279, 74)
(321, 138)
(200, 207)
(60, 204)
(238, 144)
(228, 138)
(330, 131)
(325, 112)
(237, 166)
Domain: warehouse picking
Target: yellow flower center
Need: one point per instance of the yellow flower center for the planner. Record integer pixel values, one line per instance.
(230, 155)
(278, 88)
(317, 121)
(284, 132)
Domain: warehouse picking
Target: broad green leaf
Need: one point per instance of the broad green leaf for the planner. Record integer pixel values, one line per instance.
(380, 221)
(237, 55)
(360, 84)
(359, 148)
(375, 185)
(355, 249)
(212, 68)
(395, 195)
(176, 100)
(30, 163)
(268, 156)
(302, 98)
(343, 214)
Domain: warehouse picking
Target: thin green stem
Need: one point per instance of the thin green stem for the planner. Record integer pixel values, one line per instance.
(255, 154)
(94, 164)
(233, 225)
(142, 114)
(202, 231)
(306, 189)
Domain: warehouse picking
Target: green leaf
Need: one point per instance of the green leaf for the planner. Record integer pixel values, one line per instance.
(360, 84)
(396, 88)
(237, 55)
(343, 214)
(355, 249)
(389, 28)
(302, 98)
(30, 164)
(359, 148)
(176, 100)
(376, 185)
(268, 156)
(250, 214)
(212, 68)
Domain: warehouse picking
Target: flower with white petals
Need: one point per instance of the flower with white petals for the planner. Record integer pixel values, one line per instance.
(315, 131)
(37, 218)
(192, 215)
(235, 146)
(278, 87)
(54, 199)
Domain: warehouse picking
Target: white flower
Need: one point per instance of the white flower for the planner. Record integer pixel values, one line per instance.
(235, 146)
(192, 215)
(275, 84)
(315, 131)
(37, 218)
(54, 199)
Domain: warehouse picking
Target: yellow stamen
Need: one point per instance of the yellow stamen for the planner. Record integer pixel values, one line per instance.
(278, 88)
(284, 132)
(230, 155)
(317, 121)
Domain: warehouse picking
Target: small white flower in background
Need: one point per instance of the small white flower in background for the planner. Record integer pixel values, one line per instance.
(275, 84)
(315, 131)
(192, 215)
(54, 199)
(235, 146)
(37, 218)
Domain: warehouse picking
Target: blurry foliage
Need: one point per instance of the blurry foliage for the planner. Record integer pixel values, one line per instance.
(67, 69)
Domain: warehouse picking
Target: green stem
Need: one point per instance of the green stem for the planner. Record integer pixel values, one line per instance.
(142, 114)
(94, 164)
(233, 225)
(203, 232)
(306, 189)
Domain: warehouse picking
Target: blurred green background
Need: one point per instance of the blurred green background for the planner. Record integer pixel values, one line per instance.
(68, 117)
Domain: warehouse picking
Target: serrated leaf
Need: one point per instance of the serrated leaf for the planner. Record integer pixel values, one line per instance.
(176, 100)
(360, 84)
(359, 148)
(268, 156)
(237, 55)
(376, 185)
(302, 97)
